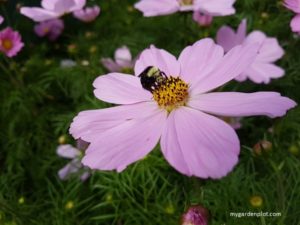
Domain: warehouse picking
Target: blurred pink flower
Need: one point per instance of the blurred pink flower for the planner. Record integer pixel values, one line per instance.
(1, 19)
(123, 61)
(52, 9)
(88, 14)
(176, 109)
(51, 28)
(10, 42)
(165, 7)
(202, 19)
(263, 68)
(294, 5)
(195, 215)
(75, 166)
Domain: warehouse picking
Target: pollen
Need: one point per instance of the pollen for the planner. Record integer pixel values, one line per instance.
(171, 93)
(186, 2)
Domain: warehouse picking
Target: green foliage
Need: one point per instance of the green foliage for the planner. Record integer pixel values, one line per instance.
(39, 100)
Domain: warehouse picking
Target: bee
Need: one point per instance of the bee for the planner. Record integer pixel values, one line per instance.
(151, 78)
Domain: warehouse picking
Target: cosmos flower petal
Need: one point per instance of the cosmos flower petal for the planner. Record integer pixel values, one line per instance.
(226, 37)
(68, 169)
(120, 88)
(295, 23)
(236, 104)
(88, 14)
(227, 68)
(88, 125)
(293, 5)
(64, 6)
(49, 4)
(270, 51)
(85, 176)
(194, 144)
(199, 59)
(1, 19)
(67, 151)
(158, 58)
(38, 14)
(79, 4)
(123, 57)
(263, 72)
(111, 65)
(241, 32)
(216, 7)
(156, 8)
(137, 137)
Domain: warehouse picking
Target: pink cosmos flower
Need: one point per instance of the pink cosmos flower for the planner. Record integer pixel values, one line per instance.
(165, 7)
(1, 19)
(75, 166)
(176, 108)
(52, 9)
(263, 68)
(202, 19)
(51, 28)
(123, 61)
(10, 42)
(294, 5)
(88, 14)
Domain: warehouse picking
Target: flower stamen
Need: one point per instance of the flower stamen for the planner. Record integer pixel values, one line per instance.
(171, 93)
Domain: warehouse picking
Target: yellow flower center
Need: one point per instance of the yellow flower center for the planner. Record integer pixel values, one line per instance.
(46, 30)
(7, 44)
(171, 93)
(186, 2)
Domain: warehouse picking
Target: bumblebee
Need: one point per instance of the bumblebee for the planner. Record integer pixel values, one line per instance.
(151, 78)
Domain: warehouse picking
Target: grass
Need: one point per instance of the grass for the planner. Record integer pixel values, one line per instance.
(39, 99)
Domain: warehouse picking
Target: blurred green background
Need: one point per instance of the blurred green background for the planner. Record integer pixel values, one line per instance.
(39, 100)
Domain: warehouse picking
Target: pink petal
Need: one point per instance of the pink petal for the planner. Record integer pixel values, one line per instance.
(120, 88)
(49, 4)
(233, 63)
(67, 170)
(263, 72)
(64, 6)
(270, 51)
(85, 176)
(67, 151)
(237, 104)
(79, 4)
(110, 65)
(38, 14)
(123, 56)
(199, 59)
(295, 23)
(156, 8)
(202, 19)
(158, 58)
(216, 7)
(122, 145)
(241, 32)
(197, 144)
(293, 5)
(88, 125)
(1, 19)
(226, 37)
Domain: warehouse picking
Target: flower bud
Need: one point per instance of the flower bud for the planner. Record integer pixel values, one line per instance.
(195, 215)
(256, 201)
(262, 146)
